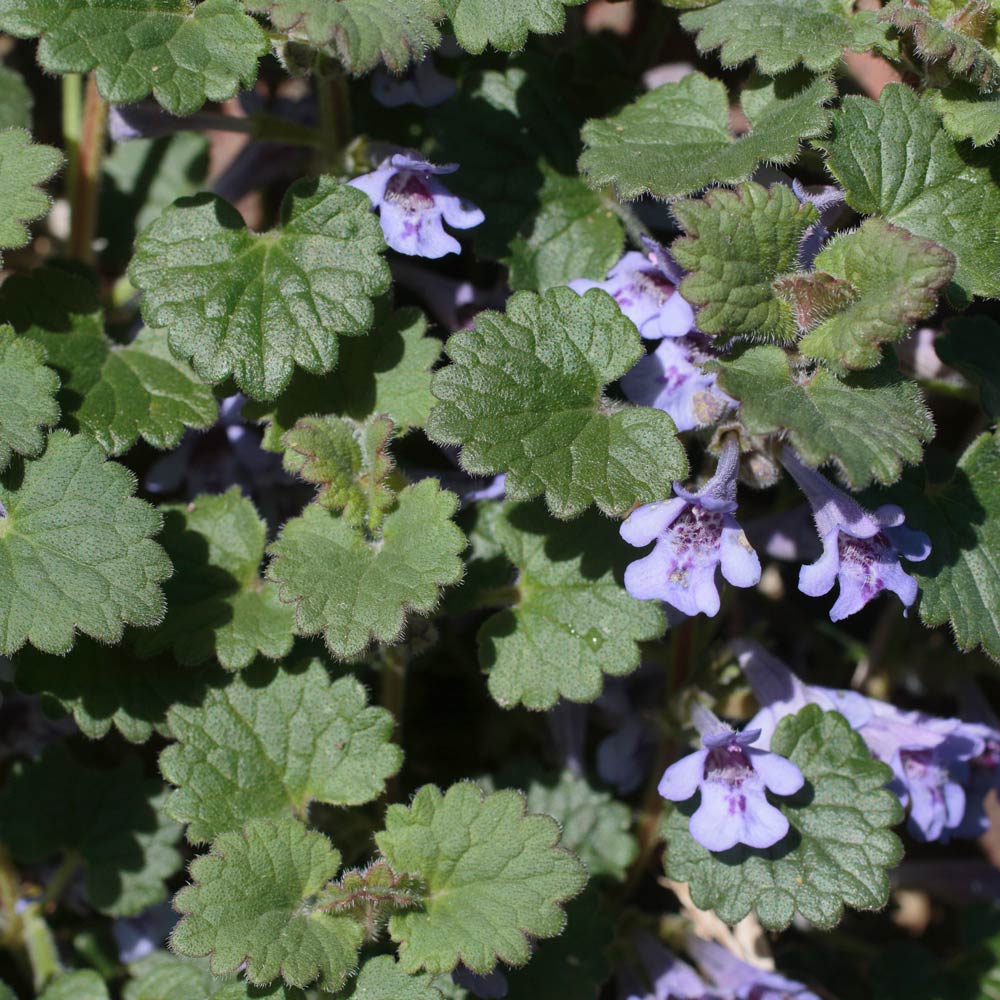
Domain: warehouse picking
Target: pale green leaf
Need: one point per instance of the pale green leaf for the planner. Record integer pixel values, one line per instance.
(737, 243)
(676, 139)
(85, 985)
(253, 306)
(495, 878)
(967, 114)
(837, 852)
(383, 978)
(250, 902)
(969, 343)
(115, 393)
(184, 53)
(355, 590)
(895, 159)
(163, 976)
(23, 167)
(75, 549)
(27, 397)
(218, 605)
(525, 395)
(572, 621)
(272, 741)
(869, 424)
(16, 100)
(895, 278)
(505, 26)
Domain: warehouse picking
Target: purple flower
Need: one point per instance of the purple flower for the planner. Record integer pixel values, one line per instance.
(732, 776)
(646, 294)
(421, 85)
(982, 773)
(861, 550)
(671, 379)
(662, 976)
(739, 979)
(455, 304)
(695, 534)
(142, 934)
(827, 201)
(413, 203)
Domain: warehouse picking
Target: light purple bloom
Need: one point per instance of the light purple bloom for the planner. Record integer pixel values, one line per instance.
(671, 379)
(740, 980)
(695, 534)
(982, 773)
(455, 304)
(662, 976)
(861, 550)
(421, 85)
(413, 203)
(646, 294)
(732, 776)
(142, 934)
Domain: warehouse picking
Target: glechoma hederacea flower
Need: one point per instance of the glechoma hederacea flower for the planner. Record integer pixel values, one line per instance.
(413, 205)
(695, 534)
(732, 776)
(861, 550)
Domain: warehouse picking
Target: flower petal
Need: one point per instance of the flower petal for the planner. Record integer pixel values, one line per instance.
(650, 521)
(416, 234)
(816, 579)
(676, 319)
(740, 565)
(681, 780)
(778, 773)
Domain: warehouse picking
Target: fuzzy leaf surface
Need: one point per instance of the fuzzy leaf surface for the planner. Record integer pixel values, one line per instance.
(968, 114)
(28, 390)
(163, 976)
(75, 549)
(272, 741)
(525, 395)
(573, 622)
(676, 139)
(894, 158)
(16, 102)
(354, 590)
(969, 343)
(896, 278)
(839, 847)
(218, 605)
(737, 243)
(23, 167)
(495, 877)
(113, 818)
(383, 977)
(252, 306)
(870, 424)
(505, 26)
(83, 985)
(250, 903)
(116, 393)
(184, 53)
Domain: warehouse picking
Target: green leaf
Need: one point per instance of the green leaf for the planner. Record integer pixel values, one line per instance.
(383, 978)
(250, 902)
(348, 461)
(967, 114)
(23, 166)
(894, 159)
(362, 33)
(969, 343)
(573, 234)
(777, 33)
(16, 100)
(85, 985)
(75, 549)
(676, 139)
(355, 590)
(184, 54)
(494, 875)
(572, 621)
(839, 847)
(253, 306)
(270, 742)
(105, 686)
(162, 976)
(388, 371)
(868, 424)
(115, 393)
(217, 603)
(895, 277)
(960, 580)
(737, 243)
(113, 818)
(952, 40)
(595, 825)
(506, 25)
(525, 395)
(27, 397)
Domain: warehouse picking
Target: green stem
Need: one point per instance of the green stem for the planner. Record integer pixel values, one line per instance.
(634, 229)
(86, 187)
(60, 878)
(334, 114)
(72, 124)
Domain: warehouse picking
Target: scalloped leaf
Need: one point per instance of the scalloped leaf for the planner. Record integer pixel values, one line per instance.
(382, 978)
(676, 139)
(84, 985)
(967, 114)
(354, 589)
(75, 549)
(252, 306)
(250, 903)
(524, 395)
(218, 605)
(572, 622)
(28, 390)
(112, 817)
(894, 158)
(495, 877)
(839, 847)
(116, 393)
(163, 976)
(505, 26)
(272, 741)
(869, 423)
(23, 167)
